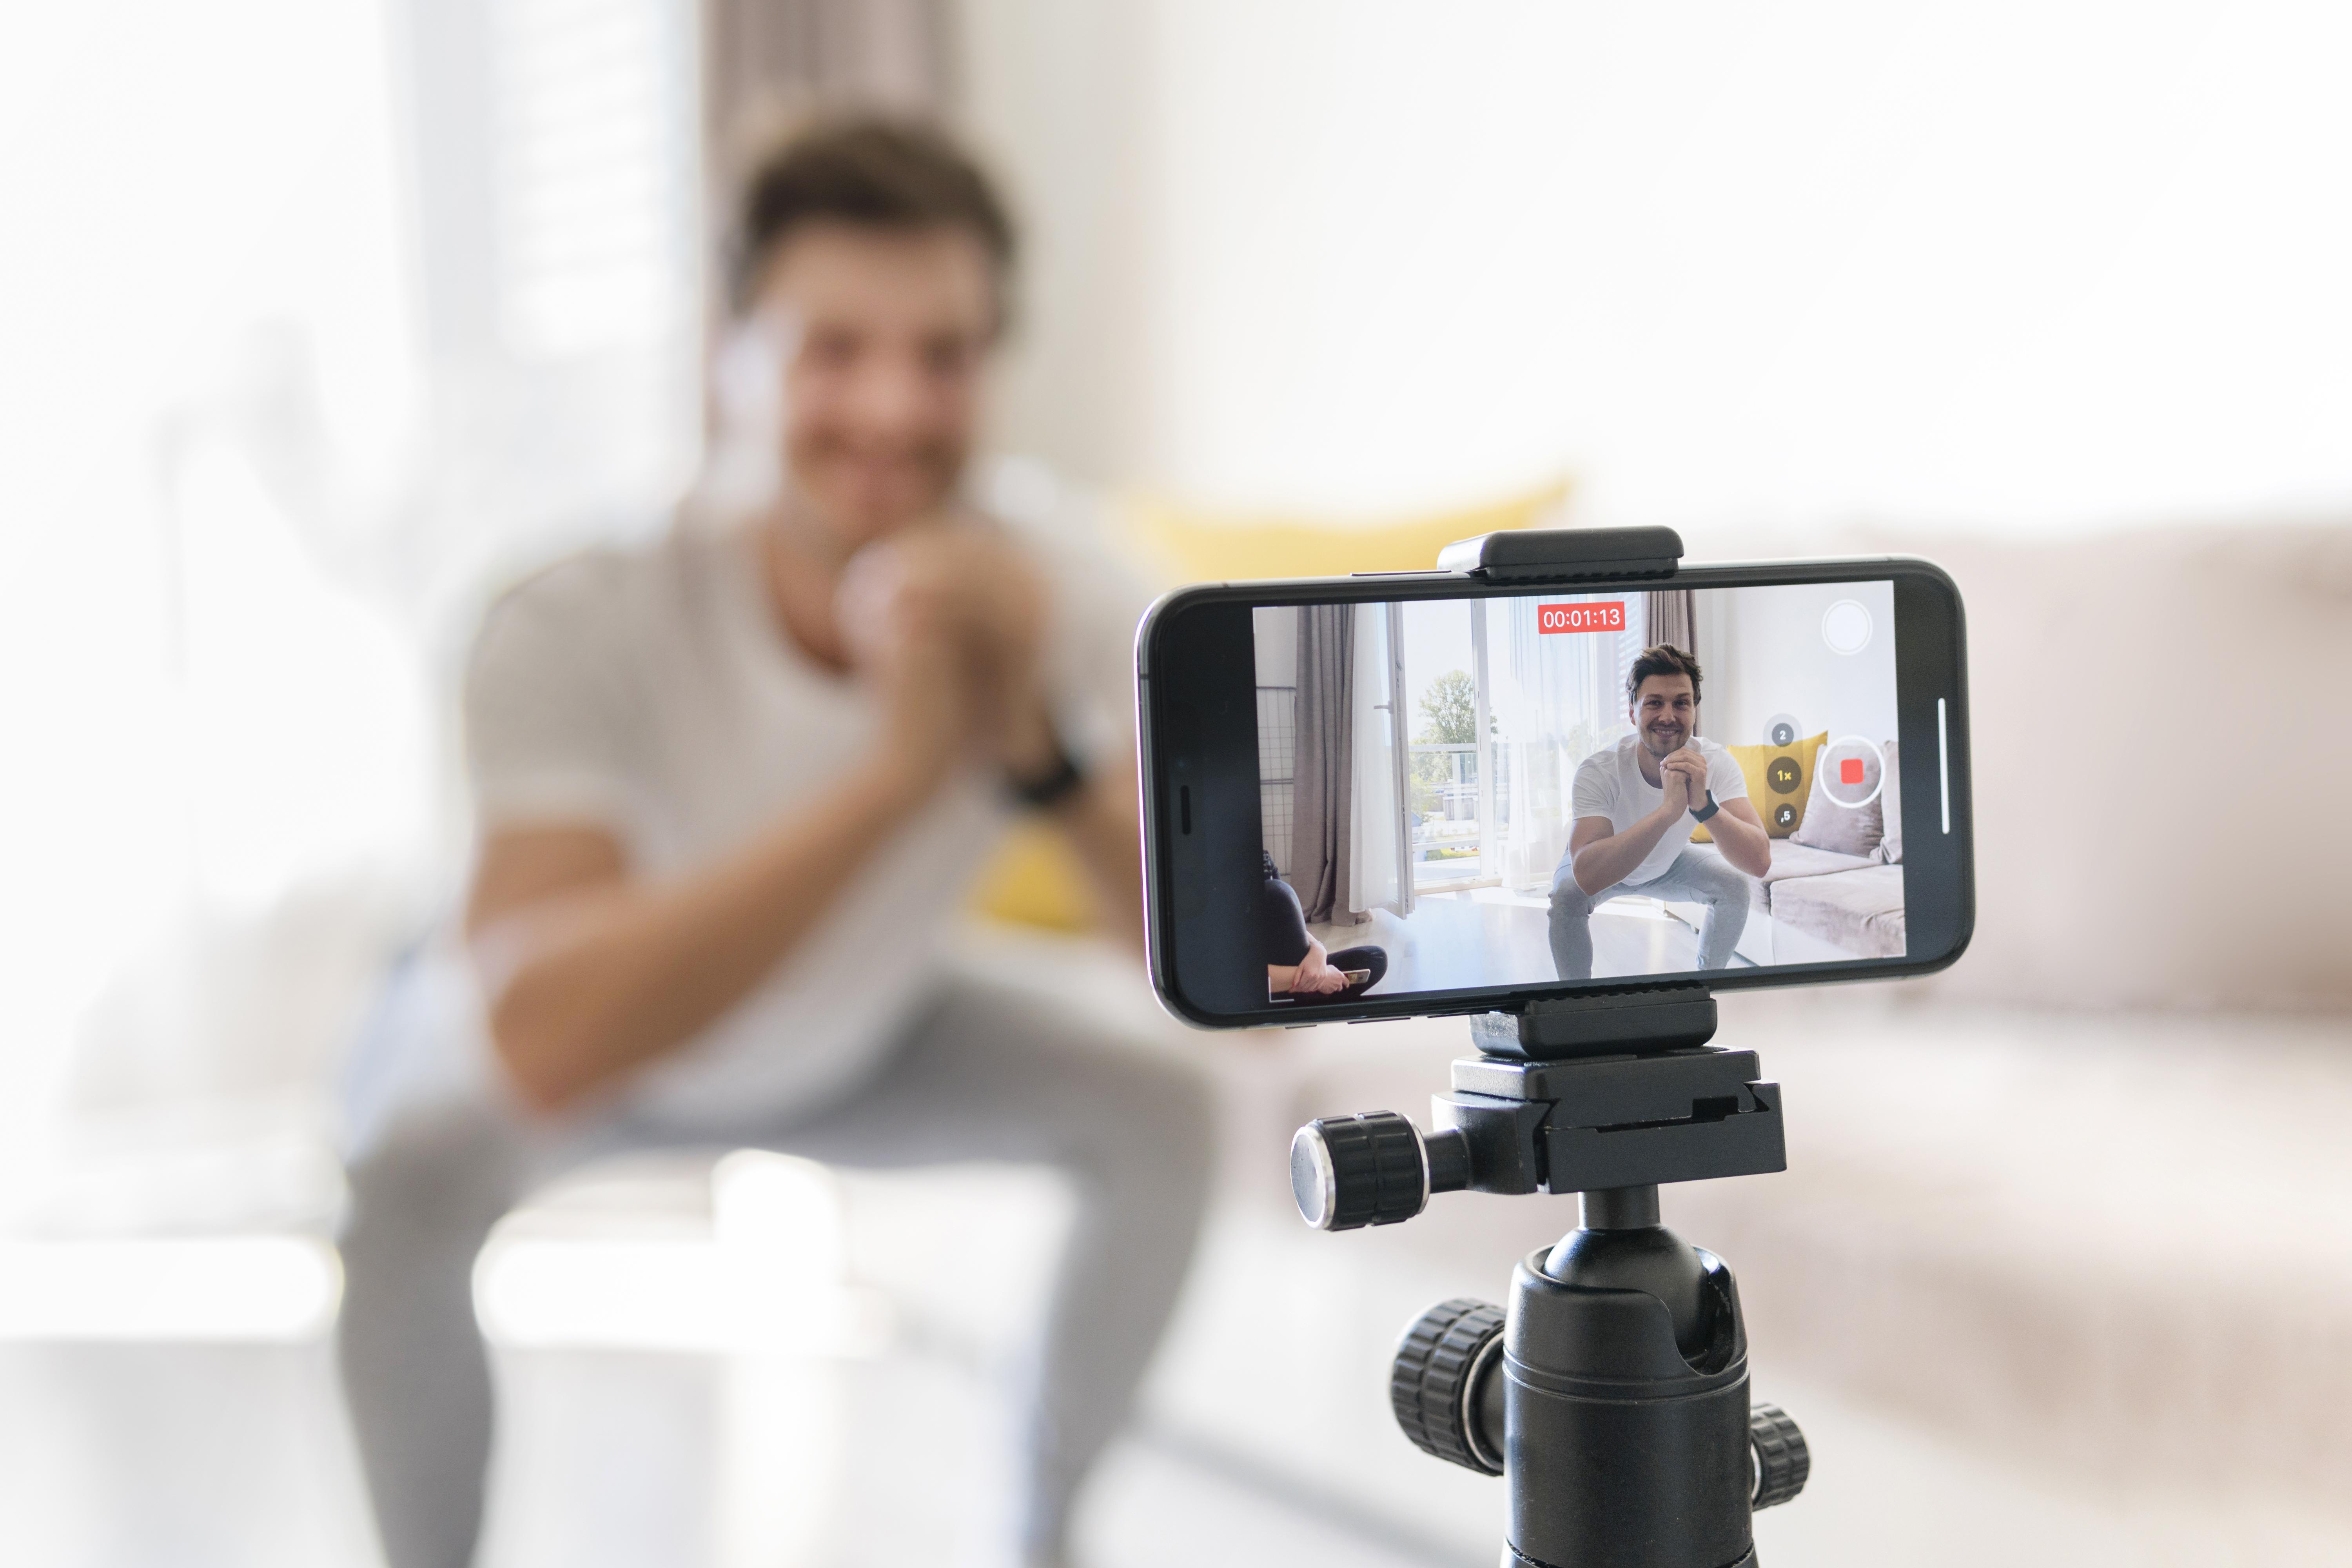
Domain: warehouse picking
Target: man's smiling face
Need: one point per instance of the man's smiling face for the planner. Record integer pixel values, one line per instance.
(887, 334)
(1665, 713)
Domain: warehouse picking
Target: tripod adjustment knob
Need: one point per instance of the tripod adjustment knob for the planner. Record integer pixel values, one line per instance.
(1352, 1170)
(1442, 1386)
(1777, 1458)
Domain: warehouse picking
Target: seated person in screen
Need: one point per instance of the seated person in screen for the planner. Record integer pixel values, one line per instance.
(1636, 805)
(1298, 969)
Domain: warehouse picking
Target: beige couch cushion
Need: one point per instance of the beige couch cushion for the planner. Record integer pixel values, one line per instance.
(1842, 829)
(1858, 912)
(2136, 840)
(1792, 859)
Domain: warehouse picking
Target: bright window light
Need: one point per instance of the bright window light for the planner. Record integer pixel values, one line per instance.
(593, 173)
(220, 1288)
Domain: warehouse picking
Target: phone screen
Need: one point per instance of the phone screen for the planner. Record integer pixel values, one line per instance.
(1532, 792)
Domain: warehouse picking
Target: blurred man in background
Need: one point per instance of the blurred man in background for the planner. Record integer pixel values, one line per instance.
(731, 789)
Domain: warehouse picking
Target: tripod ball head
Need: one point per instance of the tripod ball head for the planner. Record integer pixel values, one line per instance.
(1612, 1396)
(1442, 1386)
(1448, 1399)
(1778, 1457)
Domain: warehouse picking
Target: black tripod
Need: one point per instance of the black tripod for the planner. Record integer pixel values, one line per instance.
(1612, 1395)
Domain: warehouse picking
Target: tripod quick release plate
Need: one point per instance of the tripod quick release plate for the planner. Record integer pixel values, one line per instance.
(1516, 1126)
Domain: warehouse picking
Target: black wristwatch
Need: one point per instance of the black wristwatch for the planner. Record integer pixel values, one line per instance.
(1061, 780)
(1711, 808)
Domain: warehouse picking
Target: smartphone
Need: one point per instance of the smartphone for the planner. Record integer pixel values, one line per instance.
(1498, 792)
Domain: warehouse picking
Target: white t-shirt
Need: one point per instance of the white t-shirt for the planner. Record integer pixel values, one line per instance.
(652, 691)
(1610, 784)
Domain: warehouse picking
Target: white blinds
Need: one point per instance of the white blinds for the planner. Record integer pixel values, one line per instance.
(593, 173)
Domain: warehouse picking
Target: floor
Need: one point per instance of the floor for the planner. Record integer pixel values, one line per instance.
(1492, 937)
(117, 1458)
(891, 1448)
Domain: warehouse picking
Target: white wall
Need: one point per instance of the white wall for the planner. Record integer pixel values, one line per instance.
(2009, 265)
(1051, 93)
(1761, 652)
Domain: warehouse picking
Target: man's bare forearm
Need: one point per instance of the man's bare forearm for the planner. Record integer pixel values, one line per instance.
(1100, 821)
(1745, 844)
(1099, 818)
(1610, 861)
(586, 987)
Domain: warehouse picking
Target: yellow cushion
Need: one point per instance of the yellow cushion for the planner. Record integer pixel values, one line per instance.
(1035, 877)
(1756, 766)
(1196, 546)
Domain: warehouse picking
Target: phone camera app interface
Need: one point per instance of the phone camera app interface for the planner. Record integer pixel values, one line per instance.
(1464, 794)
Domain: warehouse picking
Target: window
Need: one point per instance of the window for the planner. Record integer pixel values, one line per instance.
(594, 168)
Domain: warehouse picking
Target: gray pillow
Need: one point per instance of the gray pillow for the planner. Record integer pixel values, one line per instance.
(1890, 848)
(1842, 829)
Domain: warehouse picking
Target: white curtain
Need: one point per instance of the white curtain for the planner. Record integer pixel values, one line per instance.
(1372, 839)
(1556, 699)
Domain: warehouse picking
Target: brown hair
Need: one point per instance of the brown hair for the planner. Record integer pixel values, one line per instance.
(1660, 659)
(871, 171)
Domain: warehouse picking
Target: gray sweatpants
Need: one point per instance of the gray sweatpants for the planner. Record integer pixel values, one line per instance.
(1691, 879)
(987, 1074)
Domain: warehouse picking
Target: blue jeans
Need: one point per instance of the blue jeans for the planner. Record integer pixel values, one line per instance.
(989, 1074)
(1692, 878)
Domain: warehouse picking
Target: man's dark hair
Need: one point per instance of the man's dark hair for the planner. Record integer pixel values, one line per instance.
(872, 171)
(1660, 659)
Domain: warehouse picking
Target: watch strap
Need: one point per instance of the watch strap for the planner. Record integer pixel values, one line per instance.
(1043, 791)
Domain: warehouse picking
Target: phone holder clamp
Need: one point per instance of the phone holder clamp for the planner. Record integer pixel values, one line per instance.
(1564, 555)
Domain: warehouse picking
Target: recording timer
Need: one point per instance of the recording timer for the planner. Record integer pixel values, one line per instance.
(1605, 615)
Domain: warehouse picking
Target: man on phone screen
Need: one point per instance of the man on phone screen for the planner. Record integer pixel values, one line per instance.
(1636, 803)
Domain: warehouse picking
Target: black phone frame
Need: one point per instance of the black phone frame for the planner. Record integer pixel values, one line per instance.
(1182, 699)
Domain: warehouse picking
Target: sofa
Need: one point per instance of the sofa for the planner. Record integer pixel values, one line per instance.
(1834, 890)
(1825, 906)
